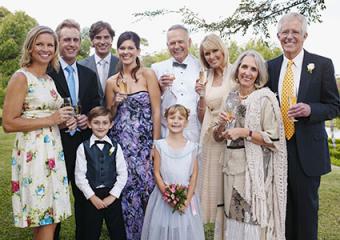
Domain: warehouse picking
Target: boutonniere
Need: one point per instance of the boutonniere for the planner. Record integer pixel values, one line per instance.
(310, 67)
(111, 150)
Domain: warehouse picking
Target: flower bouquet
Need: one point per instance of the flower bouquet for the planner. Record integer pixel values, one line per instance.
(175, 195)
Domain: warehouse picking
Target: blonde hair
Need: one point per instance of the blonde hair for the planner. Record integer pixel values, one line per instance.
(210, 42)
(262, 77)
(67, 23)
(33, 34)
(177, 108)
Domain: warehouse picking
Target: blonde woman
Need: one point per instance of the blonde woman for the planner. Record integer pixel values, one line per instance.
(214, 57)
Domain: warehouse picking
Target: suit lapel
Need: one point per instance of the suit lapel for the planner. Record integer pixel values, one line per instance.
(61, 80)
(276, 75)
(305, 77)
(81, 83)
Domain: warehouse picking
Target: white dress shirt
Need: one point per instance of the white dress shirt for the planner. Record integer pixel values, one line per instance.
(103, 70)
(63, 66)
(296, 68)
(182, 91)
(81, 169)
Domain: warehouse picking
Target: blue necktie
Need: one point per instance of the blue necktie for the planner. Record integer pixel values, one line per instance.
(71, 84)
(72, 89)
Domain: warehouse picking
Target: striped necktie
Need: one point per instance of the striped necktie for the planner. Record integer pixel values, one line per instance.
(287, 91)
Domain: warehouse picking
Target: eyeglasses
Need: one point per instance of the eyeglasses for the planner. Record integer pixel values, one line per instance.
(294, 33)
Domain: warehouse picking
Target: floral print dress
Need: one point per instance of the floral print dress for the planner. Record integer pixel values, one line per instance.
(132, 129)
(40, 193)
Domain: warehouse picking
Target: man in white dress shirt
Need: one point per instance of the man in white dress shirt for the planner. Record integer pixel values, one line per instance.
(177, 77)
(102, 62)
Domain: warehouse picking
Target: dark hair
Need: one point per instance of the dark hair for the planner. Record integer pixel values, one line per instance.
(100, 26)
(136, 39)
(98, 112)
(177, 108)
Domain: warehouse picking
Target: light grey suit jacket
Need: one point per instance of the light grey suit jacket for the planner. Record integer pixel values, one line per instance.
(90, 63)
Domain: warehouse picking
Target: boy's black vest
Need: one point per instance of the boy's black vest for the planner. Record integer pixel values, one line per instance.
(101, 164)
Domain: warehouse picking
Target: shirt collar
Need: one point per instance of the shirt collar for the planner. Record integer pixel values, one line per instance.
(64, 64)
(93, 138)
(297, 60)
(97, 59)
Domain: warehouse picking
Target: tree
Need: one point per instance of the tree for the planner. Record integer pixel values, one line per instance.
(13, 31)
(257, 15)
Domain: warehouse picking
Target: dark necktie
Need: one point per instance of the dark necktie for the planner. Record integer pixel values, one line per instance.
(99, 142)
(181, 65)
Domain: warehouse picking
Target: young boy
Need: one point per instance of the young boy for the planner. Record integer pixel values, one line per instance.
(101, 175)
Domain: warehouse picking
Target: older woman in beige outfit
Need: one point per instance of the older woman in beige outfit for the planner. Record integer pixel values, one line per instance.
(255, 162)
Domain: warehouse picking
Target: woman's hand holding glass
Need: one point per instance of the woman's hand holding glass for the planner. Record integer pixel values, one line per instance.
(201, 82)
(231, 105)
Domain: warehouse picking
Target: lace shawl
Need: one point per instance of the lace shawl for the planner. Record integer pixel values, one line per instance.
(268, 200)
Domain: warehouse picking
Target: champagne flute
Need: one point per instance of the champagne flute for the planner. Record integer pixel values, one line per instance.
(292, 100)
(68, 103)
(122, 84)
(202, 80)
(231, 104)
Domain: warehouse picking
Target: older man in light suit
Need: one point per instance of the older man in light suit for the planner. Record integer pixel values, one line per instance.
(177, 78)
(311, 78)
(102, 62)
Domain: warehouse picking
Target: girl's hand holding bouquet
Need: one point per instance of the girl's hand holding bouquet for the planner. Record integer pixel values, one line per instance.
(176, 196)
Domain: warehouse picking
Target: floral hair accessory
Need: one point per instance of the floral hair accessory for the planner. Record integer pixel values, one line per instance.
(310, 67)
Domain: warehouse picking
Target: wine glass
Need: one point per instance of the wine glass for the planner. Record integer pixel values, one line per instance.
(231, 104)
(292, 100)
(172, 76)
(202, 80)
(68, 103)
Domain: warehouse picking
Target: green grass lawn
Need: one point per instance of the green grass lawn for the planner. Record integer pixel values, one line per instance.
(329, 213)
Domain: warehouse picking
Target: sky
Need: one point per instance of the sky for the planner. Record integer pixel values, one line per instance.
(323, 38)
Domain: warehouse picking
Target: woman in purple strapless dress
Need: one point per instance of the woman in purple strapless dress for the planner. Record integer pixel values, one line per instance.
(133, 96)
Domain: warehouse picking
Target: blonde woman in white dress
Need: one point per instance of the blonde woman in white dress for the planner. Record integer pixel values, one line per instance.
(214, 59)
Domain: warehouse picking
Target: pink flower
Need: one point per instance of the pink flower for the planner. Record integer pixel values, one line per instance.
(29, 156)
(53, 93)
(51, 163)
(15, 186)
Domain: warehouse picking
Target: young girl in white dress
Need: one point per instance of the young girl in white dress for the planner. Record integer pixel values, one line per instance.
(175, 162)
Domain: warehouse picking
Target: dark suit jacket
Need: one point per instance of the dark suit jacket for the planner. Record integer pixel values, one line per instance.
(319, 90)
(91, 64)
(89, 98)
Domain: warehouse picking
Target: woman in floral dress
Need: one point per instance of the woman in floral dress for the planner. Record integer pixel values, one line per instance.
(40, 193)
(133, 96)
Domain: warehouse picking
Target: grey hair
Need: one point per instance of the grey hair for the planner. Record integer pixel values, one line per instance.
(178, 26)
(262, 77)
(290, 16)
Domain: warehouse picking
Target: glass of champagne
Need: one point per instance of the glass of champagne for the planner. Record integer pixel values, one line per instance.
(68, 103)
(123, 88)
(231, 104)
(202, 80)
(292, 101)
(170, 75)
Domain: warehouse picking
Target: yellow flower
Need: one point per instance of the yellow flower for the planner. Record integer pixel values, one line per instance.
(310, 67)
(111, 151)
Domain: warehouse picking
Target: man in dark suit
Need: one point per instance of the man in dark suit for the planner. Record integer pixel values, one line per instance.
(86, 94)
(102, 61)
(313, 81)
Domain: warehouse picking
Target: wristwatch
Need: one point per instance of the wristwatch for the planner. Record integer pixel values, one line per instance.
(249, 137)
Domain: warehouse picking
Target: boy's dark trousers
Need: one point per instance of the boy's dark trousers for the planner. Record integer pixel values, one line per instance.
(93, 218)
